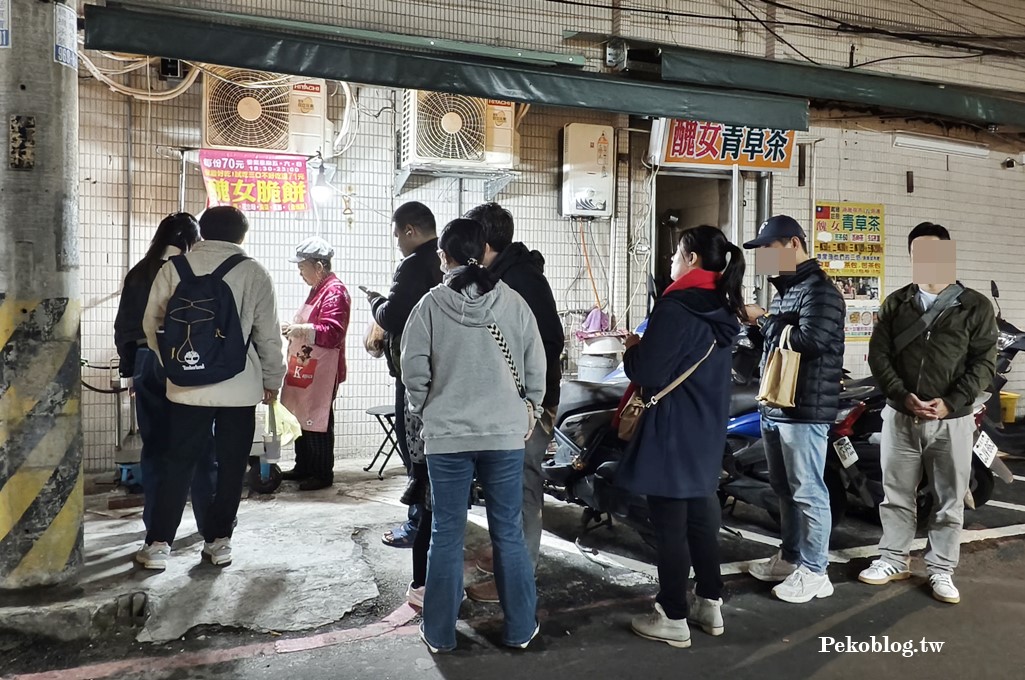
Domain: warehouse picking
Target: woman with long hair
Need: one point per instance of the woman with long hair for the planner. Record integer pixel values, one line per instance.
(176, 234)
(474, 369)
(676, 452)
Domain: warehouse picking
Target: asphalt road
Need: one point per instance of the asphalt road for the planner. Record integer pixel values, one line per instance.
(585, 612)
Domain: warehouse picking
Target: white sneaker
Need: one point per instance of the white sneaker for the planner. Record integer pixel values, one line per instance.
(707, 614)
(943, 588)
(524, 645)
(881, 572)
(415, 596)
(803, 586)
(659, 627)
(775, 570)
(218, 552)
(153, 556)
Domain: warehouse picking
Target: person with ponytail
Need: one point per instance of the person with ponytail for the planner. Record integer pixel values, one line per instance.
(474, 368)
(176, 234)
(676, 452)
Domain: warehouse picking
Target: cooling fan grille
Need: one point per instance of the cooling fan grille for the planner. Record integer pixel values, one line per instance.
(450, 126)
(247, 109)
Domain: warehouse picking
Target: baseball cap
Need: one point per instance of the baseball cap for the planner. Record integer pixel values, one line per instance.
(776, 228)
(313, 248)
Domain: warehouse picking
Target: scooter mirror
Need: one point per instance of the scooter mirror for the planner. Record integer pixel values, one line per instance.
(994, 290)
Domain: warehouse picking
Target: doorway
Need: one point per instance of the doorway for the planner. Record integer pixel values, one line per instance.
(683, 201)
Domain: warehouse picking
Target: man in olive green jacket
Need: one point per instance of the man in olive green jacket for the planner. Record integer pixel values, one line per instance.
(933, 353)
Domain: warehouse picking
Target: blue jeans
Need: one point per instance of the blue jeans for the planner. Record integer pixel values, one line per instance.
(151, 408)
(796, 453)
(501, 475)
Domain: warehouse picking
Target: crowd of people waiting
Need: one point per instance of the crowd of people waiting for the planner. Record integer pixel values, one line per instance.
(473, 339)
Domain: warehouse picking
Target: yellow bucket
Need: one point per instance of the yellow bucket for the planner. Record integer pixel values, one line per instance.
(1009, 406)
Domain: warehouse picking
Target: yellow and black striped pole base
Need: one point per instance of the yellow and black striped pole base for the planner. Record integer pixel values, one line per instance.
(41, 484)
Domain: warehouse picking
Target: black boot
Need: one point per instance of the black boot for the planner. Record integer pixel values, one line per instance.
(294, 475)
(315, 484)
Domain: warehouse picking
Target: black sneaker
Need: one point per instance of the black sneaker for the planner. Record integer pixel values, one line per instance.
(294, 475)
(314, 484)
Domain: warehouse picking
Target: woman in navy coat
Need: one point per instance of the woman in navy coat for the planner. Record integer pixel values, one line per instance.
(678, 447)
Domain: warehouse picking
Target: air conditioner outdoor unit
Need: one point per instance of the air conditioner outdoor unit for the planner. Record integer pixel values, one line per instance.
(450, 131)
(247, 110)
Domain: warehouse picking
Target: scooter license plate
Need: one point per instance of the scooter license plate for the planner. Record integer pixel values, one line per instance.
(845, 451)
(985, 449)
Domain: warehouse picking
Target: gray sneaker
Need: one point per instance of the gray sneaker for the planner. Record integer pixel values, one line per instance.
(707, 614)
(153, 556)
(775, 570)
(659, 627)
(218, 553)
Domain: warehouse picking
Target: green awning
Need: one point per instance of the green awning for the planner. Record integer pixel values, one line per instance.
(832, 84)
(165, 34)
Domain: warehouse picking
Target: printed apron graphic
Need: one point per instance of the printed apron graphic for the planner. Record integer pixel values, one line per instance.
(310, 381)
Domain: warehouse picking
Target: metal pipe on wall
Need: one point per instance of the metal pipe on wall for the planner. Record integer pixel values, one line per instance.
(129, 169)
(181, 180)
(763, 211)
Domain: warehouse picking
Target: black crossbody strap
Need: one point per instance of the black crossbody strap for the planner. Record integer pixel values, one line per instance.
(947, 299)
(503, 346)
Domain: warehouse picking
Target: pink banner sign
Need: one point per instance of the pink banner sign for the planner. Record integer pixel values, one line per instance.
(258, 182)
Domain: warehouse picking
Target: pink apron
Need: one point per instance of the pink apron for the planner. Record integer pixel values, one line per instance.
(311, 380)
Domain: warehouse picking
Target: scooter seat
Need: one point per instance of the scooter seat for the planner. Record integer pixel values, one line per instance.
(743, 400)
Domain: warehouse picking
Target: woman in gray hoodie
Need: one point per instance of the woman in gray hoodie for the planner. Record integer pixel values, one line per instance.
(474, 369)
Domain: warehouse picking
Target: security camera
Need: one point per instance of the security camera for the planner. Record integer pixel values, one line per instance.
(1009, 163)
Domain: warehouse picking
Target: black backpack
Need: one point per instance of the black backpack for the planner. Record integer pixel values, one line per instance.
(201, 342)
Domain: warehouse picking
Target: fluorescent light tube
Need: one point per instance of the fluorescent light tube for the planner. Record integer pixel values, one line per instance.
(951, 147)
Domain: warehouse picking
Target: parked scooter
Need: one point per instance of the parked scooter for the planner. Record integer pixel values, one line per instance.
(1007, 437)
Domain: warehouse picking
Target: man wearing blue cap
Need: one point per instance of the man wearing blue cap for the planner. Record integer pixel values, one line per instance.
(796, 438)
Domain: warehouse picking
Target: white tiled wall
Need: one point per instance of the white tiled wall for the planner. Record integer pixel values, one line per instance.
(365, 252)
(979, 200)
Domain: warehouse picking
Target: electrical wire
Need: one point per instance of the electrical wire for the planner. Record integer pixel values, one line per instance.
(775, 34)
(936, 14)
(993, 13)
(920, 56)
(143, 95)
(587, 264)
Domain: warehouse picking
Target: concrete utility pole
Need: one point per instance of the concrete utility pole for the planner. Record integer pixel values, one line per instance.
(40, 423)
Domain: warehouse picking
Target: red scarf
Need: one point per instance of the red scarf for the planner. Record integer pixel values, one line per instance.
(695, 278)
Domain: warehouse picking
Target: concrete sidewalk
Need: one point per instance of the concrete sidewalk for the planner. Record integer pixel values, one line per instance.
(297, 566)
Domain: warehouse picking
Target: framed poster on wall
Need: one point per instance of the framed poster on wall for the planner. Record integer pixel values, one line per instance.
(850, 245)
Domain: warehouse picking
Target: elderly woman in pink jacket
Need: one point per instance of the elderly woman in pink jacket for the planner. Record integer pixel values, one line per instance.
(316, 364)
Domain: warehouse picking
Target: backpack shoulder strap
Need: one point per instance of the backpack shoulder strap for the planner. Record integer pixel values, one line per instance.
(229, 264)
(182, 265)
(947, 299)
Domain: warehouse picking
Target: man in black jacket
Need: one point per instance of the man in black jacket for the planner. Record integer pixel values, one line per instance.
(523, 270)
(795, 439)
(415, 231)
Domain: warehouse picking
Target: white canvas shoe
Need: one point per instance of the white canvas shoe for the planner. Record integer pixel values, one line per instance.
(707, 615)
(659, 627)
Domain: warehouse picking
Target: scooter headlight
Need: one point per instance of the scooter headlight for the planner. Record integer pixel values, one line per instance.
(1005, 340)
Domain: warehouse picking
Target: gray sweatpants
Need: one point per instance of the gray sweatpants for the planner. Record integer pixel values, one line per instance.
(533, 487)
(943, 450)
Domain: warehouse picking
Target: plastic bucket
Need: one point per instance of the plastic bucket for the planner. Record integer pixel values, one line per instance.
(1009, 406)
